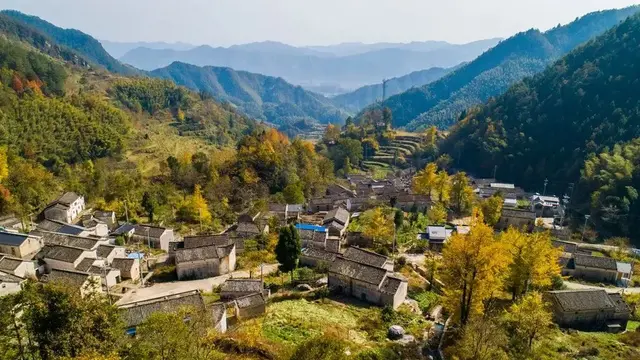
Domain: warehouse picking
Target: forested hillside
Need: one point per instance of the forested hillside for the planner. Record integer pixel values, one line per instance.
(262, 97)
(83, 44)
(545, 127)
(357, 100)
(441, 102)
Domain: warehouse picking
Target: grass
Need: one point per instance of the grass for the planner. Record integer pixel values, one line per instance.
(587, 345)
(289, 323)
(426, 300)
(632, 325)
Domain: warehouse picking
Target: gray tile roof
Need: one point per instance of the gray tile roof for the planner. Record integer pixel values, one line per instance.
(391, 284)
(123, 264)
(249, 301)
(12, 239)
(155, 232)
(191, 242)
(71, 229)
(333, 245)
(582, 300)
(246, 227)
(242, 285)
(334, 225)
(596, 262)
(68, 240)
(49, 225)
(618, 301)
(319, 254)
(85, 265)
(10, 278)
(203, 253)
(566, 246)
(9, 263)
(68, 198)
(339, 215)
(74, 278)
(104, 250)
(136, 313)
(366, 257)
(369, 274)
(64, 253)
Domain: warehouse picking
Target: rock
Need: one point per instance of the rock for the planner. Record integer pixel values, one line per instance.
(406, 339)
(303, 287)
(395, 332)
(322, 282)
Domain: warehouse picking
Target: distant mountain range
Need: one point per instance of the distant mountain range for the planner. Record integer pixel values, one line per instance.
(441, 102)
(317, 67)
(366, 95)
(118, 49)
(262, 97)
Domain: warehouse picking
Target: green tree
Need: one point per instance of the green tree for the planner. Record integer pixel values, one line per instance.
(149, 204)
(288, 249)
(437, 214)
(294, 194)
(398, 218)
(61, 322)
(323, 347)
(528, 320)
(462, 195)
(483, 338)
(492, 209)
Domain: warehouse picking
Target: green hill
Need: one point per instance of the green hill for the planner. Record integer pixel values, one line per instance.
(83, 44)
(358, 99)
(546, 126)
(263, 97)
(441, 102)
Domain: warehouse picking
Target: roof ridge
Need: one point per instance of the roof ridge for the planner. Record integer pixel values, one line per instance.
(160, 298)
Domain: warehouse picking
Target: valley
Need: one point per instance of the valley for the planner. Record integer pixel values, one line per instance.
(459, 200)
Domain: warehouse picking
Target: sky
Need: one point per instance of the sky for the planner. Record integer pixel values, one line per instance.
(307, 22)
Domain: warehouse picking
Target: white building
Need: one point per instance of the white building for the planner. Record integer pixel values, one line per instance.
(66, 208)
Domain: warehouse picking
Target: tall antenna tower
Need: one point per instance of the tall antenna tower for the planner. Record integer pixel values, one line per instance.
(384, 89)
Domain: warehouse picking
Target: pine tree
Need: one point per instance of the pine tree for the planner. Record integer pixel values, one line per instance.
(288, 249)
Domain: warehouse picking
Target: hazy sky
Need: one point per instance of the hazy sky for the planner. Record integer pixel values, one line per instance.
(307, 22)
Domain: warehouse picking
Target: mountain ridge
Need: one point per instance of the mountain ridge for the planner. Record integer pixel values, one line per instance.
(350, 72)
(521, 55)
(264, 97)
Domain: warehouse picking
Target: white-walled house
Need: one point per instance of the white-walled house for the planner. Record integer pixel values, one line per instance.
(18, 267)
(61, 257)
(19, 245)
(66, 208)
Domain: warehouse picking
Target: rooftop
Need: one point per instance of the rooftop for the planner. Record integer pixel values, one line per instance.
(596, 262)
(9, 278)
(12, 239)
(74, 278)
(437, 232)
(86, 264)
(64, 253)
(104, 251)
(136, 313)
(52, 238)
(365, 273)
(8, 263)
(68, 198)
(250, 300)
(123, 264)
(339, 214)
(203, 253)
(311, 227)
(582, 300)
(196, 241)
(242, 285)
(319, 254)
(366, 257)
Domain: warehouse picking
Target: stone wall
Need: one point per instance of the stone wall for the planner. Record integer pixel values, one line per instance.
(598, 275)
(198, 269)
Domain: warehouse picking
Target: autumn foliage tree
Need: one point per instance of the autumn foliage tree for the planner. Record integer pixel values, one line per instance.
(377, 224)
(527, 321)
(474, 266)
(462, 195)
(534, 261)
(492, 209)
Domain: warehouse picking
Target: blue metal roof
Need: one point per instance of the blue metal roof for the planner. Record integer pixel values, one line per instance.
(70, 230)
(136, 255)
(12, 239)
(311, 227)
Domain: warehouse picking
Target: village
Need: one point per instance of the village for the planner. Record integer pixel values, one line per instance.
(95, 253)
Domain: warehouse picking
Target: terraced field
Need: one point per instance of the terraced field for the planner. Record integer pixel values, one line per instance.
(400, 149)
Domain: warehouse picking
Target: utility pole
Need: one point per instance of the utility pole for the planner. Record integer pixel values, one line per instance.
(393, 249)
(586, 218)
(384, 89)
(546, 181)
(495, 170)
(126, 211)
(106, 283)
